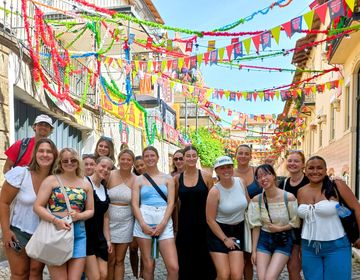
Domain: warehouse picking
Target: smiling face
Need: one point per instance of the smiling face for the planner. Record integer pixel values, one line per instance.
(191, 158)
(103, 149)
(178, 160)
(140, 166)
(225, 171)
(315, 170)
(103, 169)
(69, 162)
(42, 129)
(243, 155)
(126, 162)
(265, 178)
(150, 158)
(44, 155)
(294, 163)
(90, 165)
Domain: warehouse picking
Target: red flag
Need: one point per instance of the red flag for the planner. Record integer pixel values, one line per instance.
(229, 50)
(256, 41)
(321, 12)
(287, 28)
(206, 57)
(149, 42)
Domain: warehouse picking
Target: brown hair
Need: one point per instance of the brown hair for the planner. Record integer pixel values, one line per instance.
(180, 151)
(110, 144)
(58, 168)
(34, 166)
(243, 145)
(189, 148)
(151, 148)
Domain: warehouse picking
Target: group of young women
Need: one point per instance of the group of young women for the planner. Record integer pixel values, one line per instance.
(199, 228)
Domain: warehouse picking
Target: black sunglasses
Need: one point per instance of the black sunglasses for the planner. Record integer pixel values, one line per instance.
(178, 158)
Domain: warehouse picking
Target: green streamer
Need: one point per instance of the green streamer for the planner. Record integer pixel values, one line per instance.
(86, 90)
(76, 38)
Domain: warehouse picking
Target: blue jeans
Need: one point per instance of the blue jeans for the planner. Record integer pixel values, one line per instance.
(267, 244)
(326, 260)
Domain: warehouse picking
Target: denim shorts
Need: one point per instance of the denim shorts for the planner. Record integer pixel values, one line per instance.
(266, 244)
(152, 216)
(22, 237)
(217, 245)
(79, 240)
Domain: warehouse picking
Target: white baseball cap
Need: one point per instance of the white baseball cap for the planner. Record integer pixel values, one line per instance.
(43, 118)
(224, 160)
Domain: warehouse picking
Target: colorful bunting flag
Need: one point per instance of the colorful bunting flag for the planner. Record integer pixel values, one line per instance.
(321, 12)
(276, 33)
(211, 45)
(336, 9)
(296, 25)
(309, 18)
(265, 40)
(213, 57)
(189, 46)
(238, 51)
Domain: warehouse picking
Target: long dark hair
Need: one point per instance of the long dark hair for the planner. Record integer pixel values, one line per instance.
(328, 186)
(134, 169)
(267, 168)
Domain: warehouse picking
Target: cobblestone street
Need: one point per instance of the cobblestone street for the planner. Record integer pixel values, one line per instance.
(160, 272)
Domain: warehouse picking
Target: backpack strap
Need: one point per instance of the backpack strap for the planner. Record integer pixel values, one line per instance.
(23, 148)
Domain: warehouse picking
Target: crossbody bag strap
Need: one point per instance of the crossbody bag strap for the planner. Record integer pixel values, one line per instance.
(152, 182)
(267, 207)
(286, 200)
(62, 188)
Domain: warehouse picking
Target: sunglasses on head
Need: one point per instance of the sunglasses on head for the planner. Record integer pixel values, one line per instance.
(73, 160)
(106, 138)
(178, 158)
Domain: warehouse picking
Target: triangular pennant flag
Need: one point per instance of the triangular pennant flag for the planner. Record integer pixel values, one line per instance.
(206, 57)
(199, 59)
(261, 95)
(180, 62)
(229, 50)
(221, 54)
(287, 28)
(136, 65)
(247, 43)
(163, 65)
(256, 41)
(321, 12)
(154, 79)
(255, 94)
(169, 65)
(299, 92)
(351, 4)
(336, 9)
(276, 33)
(227, 93)
(239, 95)
(309, 18)
(149, 66)
(186, 62)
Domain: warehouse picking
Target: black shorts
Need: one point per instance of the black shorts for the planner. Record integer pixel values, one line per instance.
(217, 245)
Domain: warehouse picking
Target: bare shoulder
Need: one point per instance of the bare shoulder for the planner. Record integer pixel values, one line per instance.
(206, 175)
(214, 192)
(51, 180)
(255, 198)
(291, 197)
(302, 191)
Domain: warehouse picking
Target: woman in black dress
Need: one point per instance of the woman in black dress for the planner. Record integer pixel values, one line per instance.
(192, 187)
(98, 243)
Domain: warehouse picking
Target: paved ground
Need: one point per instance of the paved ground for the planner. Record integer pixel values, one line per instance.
(160, 272)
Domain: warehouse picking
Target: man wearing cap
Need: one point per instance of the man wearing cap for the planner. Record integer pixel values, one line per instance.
(19, 153)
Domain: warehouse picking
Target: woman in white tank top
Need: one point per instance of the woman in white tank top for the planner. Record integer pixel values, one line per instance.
(326, 250)
(225, 208)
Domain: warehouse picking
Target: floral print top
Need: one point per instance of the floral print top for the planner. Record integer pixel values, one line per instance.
(77, 198)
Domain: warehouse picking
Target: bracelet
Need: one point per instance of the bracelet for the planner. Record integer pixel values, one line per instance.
(53, 220)
(108, 241)
(224, 240)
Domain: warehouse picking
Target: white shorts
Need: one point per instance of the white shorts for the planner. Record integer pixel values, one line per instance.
(153, 216)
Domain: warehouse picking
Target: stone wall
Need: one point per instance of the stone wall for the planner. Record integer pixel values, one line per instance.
(4, 106)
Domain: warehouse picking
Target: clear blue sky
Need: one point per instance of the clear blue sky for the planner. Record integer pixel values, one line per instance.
(205, 15)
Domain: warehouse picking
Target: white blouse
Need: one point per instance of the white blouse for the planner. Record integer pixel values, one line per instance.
(321, 221)
(278, 212)
(23, 215)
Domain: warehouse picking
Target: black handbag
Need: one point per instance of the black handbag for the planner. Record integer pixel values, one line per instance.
(349, 222)
(282, 237)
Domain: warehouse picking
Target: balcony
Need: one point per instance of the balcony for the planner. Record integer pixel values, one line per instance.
(342, 45)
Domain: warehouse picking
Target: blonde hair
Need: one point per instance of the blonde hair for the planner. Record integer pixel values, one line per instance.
(58, 167)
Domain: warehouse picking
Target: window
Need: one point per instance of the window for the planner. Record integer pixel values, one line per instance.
(347, 108)
(332, 122)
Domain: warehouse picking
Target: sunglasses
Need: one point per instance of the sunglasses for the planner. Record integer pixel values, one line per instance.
(178, 158)
(106, 138)
(72, 161)
(84, 156)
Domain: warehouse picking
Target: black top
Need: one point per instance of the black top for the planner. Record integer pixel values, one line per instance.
(293, 189)
(95, 225)
(193, 255)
